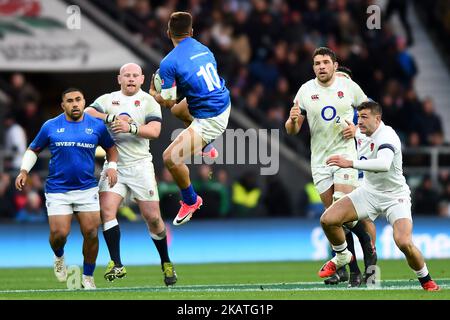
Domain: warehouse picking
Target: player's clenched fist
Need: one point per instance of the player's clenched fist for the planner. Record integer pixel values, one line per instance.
(21, 180)
(295, 112)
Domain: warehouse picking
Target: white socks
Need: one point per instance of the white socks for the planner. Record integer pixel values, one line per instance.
(422, 272)
(110, 224)
(340, 247)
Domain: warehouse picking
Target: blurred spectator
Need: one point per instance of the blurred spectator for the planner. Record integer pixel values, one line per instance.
(169, 194)
(7, 208)
(310, 203)
(31, 119)
(215, 194)
(277, 199)
(37, 184)
(426, 198)
(430, 122)
(32, 211)
(444, 201)
(245, 195)
(416, 159)
(22, 91)
(401, 7)
(407, 64)
(413, 108)
(15, 144)
(222, 178)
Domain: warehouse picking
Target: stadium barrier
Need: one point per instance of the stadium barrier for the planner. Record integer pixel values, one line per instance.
(204, 241)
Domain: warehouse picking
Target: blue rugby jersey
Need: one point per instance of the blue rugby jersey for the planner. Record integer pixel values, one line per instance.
(192, 68)
(72, 146)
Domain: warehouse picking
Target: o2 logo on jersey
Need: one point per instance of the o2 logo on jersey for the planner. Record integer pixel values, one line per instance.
(329, 113)
(209, 74)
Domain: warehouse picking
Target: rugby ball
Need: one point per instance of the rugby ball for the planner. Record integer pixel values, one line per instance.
(157, 81)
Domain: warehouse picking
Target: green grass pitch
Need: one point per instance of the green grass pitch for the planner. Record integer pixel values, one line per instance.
(228, 281)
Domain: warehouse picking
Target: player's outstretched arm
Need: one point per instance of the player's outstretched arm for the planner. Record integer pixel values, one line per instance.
(381, 163)
(295, 120)
(28, 161)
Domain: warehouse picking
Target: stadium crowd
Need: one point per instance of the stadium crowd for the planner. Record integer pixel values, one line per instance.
(263, 49)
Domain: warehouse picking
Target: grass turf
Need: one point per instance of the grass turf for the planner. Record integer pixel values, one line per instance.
(228, 281)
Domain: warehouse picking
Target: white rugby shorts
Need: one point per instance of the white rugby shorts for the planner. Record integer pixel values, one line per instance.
(72, 201)
(138, 179)
(369, 204)
(326, 176)
(211, 128)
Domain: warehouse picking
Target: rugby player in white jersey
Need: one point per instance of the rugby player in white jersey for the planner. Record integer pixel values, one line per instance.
(328, 102)
(384, 191)
(133, 118)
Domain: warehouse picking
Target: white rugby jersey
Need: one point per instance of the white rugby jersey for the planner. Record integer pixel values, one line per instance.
(142, 108)
(390, 181)
(327, 108)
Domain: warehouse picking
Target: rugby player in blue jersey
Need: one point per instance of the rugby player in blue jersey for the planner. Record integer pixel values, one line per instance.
(71, 186)
(190, 70)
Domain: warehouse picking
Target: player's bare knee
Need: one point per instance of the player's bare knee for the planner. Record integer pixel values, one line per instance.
(404, 244)
(167, 159)
(59, 235)
(108, 213)
(90, 233)
(154, 223)
(326, 219)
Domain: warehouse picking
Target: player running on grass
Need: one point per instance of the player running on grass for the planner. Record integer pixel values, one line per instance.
(134, 118)
(328, 102)
(384, 191)
(71, 186)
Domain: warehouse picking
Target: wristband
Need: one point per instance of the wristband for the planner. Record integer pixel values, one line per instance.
(110, 118)
(133, 129)
(112, 165)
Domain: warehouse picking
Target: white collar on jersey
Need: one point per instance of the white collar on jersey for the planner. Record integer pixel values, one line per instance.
(380, 127)
(130, 97)
(332, 86)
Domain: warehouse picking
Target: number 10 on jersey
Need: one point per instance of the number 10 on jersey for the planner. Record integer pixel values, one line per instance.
(210, 76)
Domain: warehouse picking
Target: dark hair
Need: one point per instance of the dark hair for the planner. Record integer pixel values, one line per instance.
(180, 24)
(324, 51)
(68, 90)
(374, 107)
(345, 70)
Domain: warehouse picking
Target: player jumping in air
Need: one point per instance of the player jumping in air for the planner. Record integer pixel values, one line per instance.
(191, 70)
